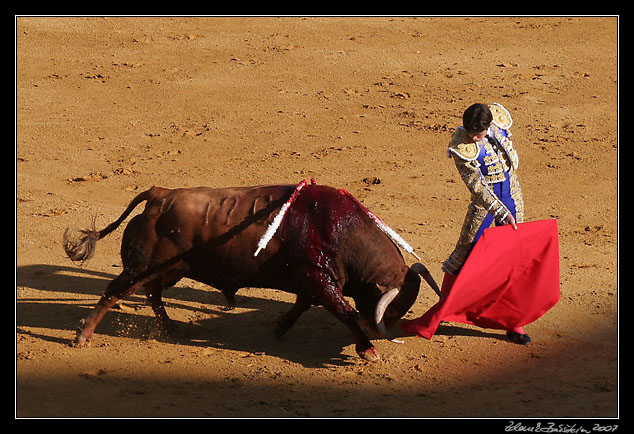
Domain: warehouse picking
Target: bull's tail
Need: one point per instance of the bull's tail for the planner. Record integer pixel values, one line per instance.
(83, 249)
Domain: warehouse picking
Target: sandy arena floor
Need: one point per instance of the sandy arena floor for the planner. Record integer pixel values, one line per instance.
(107, 107)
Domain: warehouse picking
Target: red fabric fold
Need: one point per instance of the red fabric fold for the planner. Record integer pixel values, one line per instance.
(510, 279)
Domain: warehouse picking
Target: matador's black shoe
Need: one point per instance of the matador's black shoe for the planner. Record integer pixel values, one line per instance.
(519, 338)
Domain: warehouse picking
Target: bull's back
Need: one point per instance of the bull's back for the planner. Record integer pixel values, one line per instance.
(214, 230)
(217, 231)
(215, 209)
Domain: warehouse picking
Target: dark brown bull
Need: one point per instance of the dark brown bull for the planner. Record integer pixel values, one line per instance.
(326, 248)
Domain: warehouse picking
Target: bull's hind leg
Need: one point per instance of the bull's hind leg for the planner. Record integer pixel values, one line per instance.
(118, 288)
(230, 298)
(154, 291)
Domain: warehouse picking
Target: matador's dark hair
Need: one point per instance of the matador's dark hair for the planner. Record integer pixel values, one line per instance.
(477, 118)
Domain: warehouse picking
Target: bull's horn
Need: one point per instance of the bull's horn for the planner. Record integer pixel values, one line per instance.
(422, 271)
(383, 303)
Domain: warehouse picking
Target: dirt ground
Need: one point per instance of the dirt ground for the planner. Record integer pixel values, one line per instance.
(107, 107)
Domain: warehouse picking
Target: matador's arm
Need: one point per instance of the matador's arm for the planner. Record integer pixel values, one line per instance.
(481, 193)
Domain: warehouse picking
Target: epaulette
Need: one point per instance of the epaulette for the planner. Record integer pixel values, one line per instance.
(501, 116)
(460, 147)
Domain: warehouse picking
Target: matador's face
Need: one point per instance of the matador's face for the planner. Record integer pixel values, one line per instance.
(476, 136)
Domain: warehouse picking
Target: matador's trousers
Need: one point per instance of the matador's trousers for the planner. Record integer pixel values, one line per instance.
(478, 219)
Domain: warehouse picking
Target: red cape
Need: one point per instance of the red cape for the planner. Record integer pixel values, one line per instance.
(511, 278)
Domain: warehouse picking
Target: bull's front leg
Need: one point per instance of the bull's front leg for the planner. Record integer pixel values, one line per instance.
(286, 321)
(324, 289)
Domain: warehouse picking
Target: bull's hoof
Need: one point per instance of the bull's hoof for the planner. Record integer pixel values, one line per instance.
(278, 332)
(369, 354)
(280, 328)
(80, 340)
(165, 330)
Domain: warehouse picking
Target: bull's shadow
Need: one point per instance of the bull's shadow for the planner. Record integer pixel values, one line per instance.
(316, 339)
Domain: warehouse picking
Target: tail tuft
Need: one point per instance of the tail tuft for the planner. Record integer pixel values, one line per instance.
(82, 249)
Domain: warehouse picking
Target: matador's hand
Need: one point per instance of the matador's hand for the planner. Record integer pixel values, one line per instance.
(510, 220)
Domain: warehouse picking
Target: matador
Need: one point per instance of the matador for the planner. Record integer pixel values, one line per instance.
(487, 162)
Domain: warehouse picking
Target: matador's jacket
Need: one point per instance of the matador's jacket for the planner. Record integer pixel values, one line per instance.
(488, 168)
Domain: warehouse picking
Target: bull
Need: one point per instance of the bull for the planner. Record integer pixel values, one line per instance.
(326, 248)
